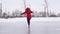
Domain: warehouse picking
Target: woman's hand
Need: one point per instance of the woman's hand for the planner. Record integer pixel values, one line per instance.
(21, 13)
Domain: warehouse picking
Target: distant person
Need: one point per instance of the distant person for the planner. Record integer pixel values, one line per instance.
(28, 14)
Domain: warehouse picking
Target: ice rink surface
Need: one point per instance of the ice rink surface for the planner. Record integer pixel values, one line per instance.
(38, 26)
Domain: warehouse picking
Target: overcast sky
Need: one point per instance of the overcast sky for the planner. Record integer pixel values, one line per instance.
(37, 5)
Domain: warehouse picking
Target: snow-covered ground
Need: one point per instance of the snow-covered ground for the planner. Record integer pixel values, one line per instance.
(38, 26)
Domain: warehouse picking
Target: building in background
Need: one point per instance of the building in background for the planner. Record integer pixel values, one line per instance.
(0, 9)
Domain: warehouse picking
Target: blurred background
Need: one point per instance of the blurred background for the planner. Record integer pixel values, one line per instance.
(40, 8)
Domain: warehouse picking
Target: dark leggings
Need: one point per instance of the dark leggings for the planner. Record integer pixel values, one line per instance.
(28, 21)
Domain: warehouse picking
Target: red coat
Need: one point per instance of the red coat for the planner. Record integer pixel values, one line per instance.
(28, 13)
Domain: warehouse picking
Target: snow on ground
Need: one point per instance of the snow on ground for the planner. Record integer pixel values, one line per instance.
(40, 25)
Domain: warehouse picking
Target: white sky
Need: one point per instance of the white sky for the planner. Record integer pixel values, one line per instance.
(11, 5)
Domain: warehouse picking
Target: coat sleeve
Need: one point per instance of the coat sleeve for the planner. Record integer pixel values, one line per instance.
(23, 13)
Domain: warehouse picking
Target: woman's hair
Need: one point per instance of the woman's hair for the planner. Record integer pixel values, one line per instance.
(27, 8)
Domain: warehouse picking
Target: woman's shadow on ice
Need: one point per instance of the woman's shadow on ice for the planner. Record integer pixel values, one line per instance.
(28, 31)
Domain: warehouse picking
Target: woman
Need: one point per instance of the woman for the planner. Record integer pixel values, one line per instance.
(28, 13)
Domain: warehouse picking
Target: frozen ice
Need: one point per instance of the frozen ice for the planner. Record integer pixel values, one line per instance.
(38, 26)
